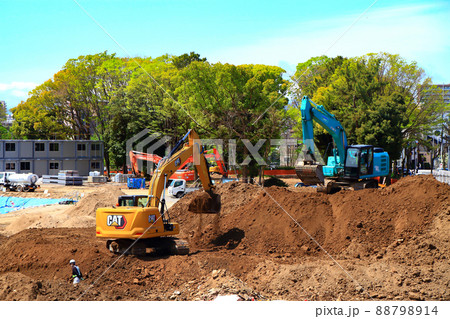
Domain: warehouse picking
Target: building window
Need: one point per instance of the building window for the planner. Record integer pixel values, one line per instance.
(95, 147)
(25, 166)
(10, 166)
(39, 147)
(54, 147)
(81, 147)
(95, 165)
(54, 165)
(10, 147)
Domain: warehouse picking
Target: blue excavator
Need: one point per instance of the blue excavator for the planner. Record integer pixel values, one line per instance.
(349, 166)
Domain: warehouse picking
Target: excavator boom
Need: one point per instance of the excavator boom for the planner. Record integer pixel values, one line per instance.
(308, 168)
(135, 155)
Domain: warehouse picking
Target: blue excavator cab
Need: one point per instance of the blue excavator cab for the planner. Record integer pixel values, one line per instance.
(365, 161)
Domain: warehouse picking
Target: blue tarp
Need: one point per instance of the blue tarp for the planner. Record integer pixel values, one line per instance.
(8, 204)
(133, 182)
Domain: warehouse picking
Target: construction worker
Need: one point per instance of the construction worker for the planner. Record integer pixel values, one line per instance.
(76, 272)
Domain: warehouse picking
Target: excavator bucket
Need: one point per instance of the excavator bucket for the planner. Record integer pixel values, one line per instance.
(310, 174)
(205, 203)
(308, 169)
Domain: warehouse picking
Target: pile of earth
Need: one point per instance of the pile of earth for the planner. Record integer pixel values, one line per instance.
(284, 220)
(387, 244)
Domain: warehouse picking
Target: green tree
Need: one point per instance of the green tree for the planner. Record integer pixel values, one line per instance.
(3, 110)
(149, 101)
(5, 134)
(37, 118)
(377, 97)
(184, 60)
(76, 102)
(234, 102)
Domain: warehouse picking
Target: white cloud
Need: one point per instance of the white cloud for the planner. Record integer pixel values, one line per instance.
(17, 86)
(15, 92)
(19, 93)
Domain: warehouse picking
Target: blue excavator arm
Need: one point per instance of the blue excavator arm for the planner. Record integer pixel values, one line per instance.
(363, 161)
(327, 120)
(308, 169)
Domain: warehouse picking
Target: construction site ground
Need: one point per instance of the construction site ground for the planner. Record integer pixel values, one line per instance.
(266, 244)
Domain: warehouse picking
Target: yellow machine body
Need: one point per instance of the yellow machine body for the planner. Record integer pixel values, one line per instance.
(151, 221)
(132, 223)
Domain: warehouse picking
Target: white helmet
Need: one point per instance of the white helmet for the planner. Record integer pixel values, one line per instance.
(72, 261)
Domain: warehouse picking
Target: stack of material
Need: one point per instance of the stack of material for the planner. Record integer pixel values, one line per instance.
(122, 178)
(97, 179)
(94, 173)
(68, 173)
(64, 178)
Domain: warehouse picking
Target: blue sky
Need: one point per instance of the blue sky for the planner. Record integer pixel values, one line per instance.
(38, 37)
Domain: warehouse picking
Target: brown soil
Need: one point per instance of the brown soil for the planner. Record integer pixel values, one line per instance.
(393, 244)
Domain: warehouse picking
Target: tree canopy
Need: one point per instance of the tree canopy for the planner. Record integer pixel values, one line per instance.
(379, 98)
(111, 99)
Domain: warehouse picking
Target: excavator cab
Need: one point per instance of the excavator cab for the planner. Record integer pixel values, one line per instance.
(132, 200)
(358, 161)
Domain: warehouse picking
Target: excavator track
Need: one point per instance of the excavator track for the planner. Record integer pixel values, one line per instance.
(161, 246)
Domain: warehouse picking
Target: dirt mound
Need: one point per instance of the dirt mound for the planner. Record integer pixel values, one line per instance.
(82, 214)
(38, 258)
(280, 220)
(16, 286)
(393, 242)
(233, 196)
(105, 196)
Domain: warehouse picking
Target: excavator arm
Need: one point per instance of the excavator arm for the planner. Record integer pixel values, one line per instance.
(308, 169)
(327, 120)
(135, 155)
(220, 168)
(220, 163)
(168, 165)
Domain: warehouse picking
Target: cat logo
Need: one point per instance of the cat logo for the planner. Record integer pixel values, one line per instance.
(118, 221)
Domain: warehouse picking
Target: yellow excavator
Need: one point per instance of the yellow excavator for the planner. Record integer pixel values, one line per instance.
(145, 227)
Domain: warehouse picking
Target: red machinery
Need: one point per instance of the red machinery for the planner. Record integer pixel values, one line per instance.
(135, 155)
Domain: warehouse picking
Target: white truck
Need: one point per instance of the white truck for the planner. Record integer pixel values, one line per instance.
(178, 189)
(18, 182)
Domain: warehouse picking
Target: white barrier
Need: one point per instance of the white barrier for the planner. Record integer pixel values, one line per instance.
(440, 174)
